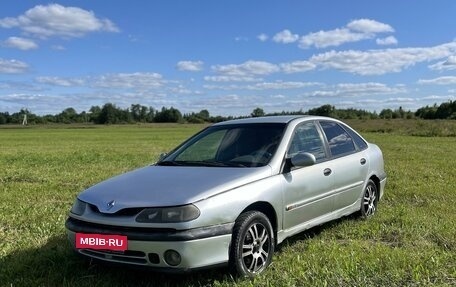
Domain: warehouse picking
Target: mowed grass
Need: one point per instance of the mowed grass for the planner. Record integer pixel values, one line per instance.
(411, 241)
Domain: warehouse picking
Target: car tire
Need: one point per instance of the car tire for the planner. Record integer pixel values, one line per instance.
(252, 244)
(369, 200)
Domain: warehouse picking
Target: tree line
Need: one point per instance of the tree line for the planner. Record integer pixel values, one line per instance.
(111, 114)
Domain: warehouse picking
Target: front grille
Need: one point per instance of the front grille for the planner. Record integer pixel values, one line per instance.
(110, 229)
(129, 256)
(122, 212)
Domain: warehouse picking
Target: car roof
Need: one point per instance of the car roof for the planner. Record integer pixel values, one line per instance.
(269, 119)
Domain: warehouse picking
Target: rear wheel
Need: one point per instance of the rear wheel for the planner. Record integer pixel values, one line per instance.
(252, 244)
(370, 200)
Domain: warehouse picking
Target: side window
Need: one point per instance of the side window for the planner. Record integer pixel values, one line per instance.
(306, 138)
(358, 140)
(339, 140)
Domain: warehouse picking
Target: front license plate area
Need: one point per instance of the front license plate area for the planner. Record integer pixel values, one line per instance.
(101, 242)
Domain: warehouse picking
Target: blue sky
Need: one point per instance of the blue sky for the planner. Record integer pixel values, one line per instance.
(226, 56)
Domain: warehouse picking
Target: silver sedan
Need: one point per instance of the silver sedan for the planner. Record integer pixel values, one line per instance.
(229, 195)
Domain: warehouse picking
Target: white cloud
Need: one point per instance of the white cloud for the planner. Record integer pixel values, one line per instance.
(390, 40)
(20, 43)
(132, 81)
(277, 85)
(229, 87)
(394, 103)
(9, 86)
(182, 90)
(369, 88)
(58, 81)
(382, 61)
(285, 37)
(297, 66)
(249, 69)
(12, 67)
(191, 66)
(56, 20)
(323, 93)
(438, 98)
(369, 26)
(359, 90)
(241, 39)
(263, 37)
(280, 85)
(231, 79)
(224, 104)
(354, 31)
(137, 81)
(58, 47)
(400, 100)
(447, 80)
(448, 64)
(336, 37)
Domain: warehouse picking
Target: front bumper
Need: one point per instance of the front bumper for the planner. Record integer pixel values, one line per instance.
(201, 247)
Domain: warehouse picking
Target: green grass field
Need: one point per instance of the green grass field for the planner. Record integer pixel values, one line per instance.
(410, 242)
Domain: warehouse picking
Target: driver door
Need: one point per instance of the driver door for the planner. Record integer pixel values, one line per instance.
(307, 189)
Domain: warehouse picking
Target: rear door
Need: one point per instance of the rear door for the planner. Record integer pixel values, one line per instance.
(350, 166)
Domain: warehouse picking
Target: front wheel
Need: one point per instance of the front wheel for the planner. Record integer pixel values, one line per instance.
(252, 244)
(369, 201)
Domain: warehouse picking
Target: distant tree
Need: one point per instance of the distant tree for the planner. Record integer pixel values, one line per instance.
(218, 119)
(4, 117)
(139, 113)
(258, 112)
(204, 115)
(170, 115)
(49, 118)
(197, 118)
(325, 111)
(386, 114)
(94, 114)
(67, 116)
(150, 116)
(446, 110)
(427, 112)
(110, 114)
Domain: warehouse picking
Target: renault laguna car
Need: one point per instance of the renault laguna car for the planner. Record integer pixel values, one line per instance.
(229, 195)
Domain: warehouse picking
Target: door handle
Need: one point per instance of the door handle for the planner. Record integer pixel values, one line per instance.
(362, 161)
(327, 171)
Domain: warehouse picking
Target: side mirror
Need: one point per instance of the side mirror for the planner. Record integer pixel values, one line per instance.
(303, 159)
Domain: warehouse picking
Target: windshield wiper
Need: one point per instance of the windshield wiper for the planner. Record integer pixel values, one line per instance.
(208, 163)
(168, 163)
(224, 164)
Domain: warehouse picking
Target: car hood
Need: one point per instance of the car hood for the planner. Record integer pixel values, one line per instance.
(155, 186)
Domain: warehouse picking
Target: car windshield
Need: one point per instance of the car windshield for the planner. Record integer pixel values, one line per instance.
(241, 145)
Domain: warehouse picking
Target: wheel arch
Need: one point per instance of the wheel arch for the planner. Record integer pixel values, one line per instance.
(268, 210)
(376, 181)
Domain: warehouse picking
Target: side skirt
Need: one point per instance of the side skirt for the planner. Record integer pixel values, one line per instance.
(283, 234)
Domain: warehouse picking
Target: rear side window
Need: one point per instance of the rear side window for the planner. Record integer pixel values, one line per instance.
(339, 140)
(356, 138)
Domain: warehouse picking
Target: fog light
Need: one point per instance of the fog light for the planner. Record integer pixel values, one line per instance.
(172, 257)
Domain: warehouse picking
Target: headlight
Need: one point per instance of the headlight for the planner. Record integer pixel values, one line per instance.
(78, 207)
(168, 214)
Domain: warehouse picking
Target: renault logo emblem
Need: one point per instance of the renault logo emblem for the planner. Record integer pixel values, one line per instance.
(110, 204)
